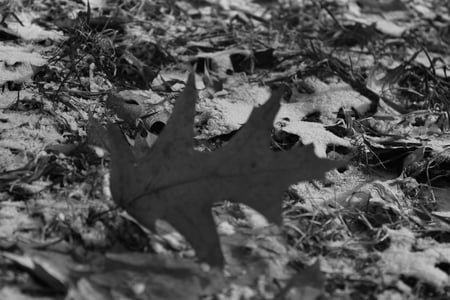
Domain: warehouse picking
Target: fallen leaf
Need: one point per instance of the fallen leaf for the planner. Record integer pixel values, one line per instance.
(226, 114)
(17, 63)
(145, 276)
(30, 31)
(313, 133)
(326, 99)
(174, 182)
(131, 105)
(402, 259)
(50, 267)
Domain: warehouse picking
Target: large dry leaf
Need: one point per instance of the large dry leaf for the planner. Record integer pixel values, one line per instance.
(174, 182)
(226, 113)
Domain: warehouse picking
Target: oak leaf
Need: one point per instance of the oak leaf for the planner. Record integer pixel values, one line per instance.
(172, 181)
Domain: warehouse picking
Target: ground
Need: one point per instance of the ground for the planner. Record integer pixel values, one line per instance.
(306, 157)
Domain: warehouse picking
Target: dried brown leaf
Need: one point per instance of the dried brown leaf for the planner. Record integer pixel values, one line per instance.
(174, 182)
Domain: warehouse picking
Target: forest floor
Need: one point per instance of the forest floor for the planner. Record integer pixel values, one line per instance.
(162, 149)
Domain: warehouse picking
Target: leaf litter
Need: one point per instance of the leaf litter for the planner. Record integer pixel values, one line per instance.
(362, 80)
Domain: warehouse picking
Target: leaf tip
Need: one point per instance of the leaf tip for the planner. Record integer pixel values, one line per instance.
(190, 83)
